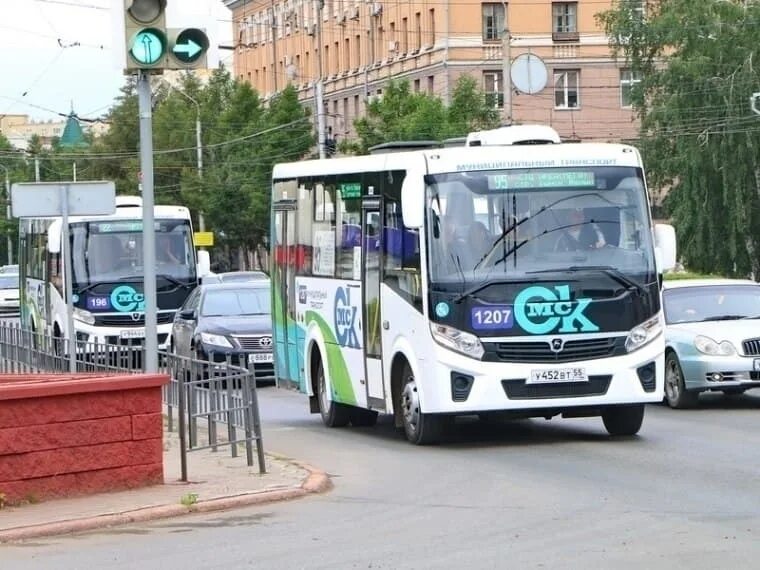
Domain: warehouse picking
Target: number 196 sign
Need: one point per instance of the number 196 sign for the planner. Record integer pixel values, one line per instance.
(492, 317)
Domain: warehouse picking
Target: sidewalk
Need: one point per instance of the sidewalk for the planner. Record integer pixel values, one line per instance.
(216, 482)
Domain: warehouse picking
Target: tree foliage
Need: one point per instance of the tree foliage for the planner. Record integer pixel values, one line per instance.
(402, 114)
(699, 137)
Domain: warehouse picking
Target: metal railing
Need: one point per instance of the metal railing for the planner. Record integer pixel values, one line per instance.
(217, 392)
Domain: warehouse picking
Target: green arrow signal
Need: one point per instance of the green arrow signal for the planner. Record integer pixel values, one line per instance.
(190, 49)
(147, 46)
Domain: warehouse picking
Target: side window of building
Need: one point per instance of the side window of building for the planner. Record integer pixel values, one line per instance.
(401, 245)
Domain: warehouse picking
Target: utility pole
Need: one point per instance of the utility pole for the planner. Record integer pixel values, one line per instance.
(319, 86)
(149, 232)
(274, 47)
(8, 213)
(37, 168)
(506, 43)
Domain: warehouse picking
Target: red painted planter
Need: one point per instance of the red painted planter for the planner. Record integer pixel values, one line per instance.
(72, 434)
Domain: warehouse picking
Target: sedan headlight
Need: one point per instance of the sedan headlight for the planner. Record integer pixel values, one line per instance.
(643, 334)
(84, 316)
(215, 340)
(706, 345)
(463, 342)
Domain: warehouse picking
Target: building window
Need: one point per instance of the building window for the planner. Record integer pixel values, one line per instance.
(628, 79)
(566, 91)
(431, 27)
(431, 84)
(493, 21)
(404, 36)
(358, 52)
(417, 31)
(565, 20)
(416, 85)
(493, 88)
(347, 56)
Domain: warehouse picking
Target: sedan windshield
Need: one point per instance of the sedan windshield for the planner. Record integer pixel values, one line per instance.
(711, 303)
(501, 224)
(236, 302)
(9, 282)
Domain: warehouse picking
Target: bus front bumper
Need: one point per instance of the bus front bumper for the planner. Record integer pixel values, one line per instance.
(89, 337)
(458, 384)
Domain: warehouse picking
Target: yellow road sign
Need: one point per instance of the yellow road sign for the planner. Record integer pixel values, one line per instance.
(203, 239)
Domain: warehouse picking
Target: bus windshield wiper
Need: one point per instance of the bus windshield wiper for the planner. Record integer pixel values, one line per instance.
(608, 270)
(724, 318)
(169, 278)
(487, 283)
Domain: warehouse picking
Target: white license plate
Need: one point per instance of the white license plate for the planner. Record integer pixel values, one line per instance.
(552, 375)
(260, 357)
(132, 333)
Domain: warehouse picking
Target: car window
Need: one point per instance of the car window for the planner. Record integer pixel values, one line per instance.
(9, 282)
(242, 277)
(236, 302)
(713, 302)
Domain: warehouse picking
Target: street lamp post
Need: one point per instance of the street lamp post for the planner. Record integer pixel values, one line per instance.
(199, 148)
(8, 213)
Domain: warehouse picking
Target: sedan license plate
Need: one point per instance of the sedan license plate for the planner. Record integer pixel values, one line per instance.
(260, 357)
(552, 375)
(132, 333)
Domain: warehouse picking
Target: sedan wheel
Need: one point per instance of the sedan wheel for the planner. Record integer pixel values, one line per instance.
(676, 394)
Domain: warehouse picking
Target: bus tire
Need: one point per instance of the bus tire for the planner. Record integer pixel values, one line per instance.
(420, 428)
(333, 414)
(363, 418)
(623, 420)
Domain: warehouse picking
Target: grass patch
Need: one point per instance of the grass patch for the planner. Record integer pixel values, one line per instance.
(189, 500)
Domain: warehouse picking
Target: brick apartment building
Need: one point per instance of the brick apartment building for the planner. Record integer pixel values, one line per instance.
(358, 45)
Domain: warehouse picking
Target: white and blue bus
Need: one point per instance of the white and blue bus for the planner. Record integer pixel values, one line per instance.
(510, 280)
(107, 273)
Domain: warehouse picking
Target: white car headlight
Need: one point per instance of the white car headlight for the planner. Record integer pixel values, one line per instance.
(463, 342)
(706, 345)
(643, 334)
(84, 316)
(215, 340)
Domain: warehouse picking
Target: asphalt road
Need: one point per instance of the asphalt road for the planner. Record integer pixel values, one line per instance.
(685, 493)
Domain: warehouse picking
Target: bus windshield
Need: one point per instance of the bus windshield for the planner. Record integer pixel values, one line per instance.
(110, 251)
(500, 224)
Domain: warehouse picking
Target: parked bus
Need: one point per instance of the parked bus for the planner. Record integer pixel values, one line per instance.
(501, 280)
(107, 273)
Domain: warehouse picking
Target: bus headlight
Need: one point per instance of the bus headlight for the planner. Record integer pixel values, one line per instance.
(643, 334)
(463, 342)
(84, 316)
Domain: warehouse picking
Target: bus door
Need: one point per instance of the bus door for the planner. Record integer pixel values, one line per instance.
(372, 249)
(283, 292)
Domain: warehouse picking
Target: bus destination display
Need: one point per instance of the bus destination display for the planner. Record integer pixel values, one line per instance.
(541, 179)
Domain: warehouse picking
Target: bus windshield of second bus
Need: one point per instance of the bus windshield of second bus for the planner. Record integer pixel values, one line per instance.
(111, 251)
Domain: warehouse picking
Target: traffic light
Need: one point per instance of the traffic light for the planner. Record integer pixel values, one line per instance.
(145, 31)
(187, 48)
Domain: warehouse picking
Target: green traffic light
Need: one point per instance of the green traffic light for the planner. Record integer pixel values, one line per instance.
(148, 46)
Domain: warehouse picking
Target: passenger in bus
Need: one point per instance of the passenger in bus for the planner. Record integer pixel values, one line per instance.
(465, 239)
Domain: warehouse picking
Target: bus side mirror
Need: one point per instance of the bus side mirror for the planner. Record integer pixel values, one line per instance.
(665, 247)
(413, 200)
(204, 263)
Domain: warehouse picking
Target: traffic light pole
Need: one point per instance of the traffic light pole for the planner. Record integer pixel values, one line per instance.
(149, 229)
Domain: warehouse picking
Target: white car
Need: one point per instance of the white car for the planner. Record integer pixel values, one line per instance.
(9, 293)
(712, 338)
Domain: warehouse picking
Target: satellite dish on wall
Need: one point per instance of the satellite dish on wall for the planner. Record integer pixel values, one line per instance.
(529, 74)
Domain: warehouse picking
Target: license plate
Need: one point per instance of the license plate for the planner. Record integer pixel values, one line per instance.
(551, 375)
(132, 333)
(756, 364)
(262, 357)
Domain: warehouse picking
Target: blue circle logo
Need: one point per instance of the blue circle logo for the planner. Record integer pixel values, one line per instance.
(442, 310)
(126, 299)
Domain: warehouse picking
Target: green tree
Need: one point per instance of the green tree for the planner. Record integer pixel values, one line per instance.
(698, 136)
(402, 114)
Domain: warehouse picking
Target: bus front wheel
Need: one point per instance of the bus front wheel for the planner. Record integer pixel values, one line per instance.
(333, 414)
(623, 420)
(420, 428)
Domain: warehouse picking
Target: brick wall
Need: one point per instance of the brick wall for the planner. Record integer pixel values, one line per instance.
(65, 435)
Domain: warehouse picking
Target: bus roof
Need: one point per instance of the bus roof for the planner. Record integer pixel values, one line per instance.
(131, 213)
(458, 159)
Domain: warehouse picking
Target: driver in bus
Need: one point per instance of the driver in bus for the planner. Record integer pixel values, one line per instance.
(464, 238)
(579, 233)
(164, 253)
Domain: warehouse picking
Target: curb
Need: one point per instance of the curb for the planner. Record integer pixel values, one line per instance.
(317, 481)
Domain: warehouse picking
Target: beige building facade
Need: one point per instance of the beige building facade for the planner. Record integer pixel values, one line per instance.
(357, 46)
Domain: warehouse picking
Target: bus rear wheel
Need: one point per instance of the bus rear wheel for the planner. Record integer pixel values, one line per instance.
(420, 428)
(623, 420)
(333, 414)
